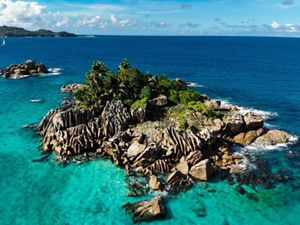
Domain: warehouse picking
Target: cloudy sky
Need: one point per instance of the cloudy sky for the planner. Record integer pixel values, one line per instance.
(145, 17)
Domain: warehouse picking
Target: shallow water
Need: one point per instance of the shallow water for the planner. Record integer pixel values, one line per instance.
(260, 73)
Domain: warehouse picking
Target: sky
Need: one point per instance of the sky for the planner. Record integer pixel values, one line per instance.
(159, 17)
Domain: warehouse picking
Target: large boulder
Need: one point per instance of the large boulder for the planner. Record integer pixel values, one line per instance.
(135, 149)
(41, 68)
(249, 137)
(202, 170)
(140, 113)
(30, 64)
(212, 104)
(234, 124)
(182, 82)
(253, 121)
(215, 126)
(273, 137)
(183, 166)
(146, 210)
(178, 181)
(161, 100)
(154, 183)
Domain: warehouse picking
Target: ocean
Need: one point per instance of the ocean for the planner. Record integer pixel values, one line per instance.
(257, 73)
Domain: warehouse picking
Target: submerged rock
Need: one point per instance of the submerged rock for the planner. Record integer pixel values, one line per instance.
(146, 210)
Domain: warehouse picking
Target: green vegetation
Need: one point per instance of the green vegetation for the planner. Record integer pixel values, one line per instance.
(129, 85)
(139, 104)
(135, 89)
(6, 31)
(205, 110)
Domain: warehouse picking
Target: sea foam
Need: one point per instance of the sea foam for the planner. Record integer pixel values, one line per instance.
(243, 110)
(193, 84)
(53, 71)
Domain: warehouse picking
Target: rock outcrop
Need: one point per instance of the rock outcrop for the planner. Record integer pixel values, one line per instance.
(70, 88)
(249, 137)
(29, 68)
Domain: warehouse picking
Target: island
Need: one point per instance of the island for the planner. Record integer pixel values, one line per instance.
(23, 70)
(165, 135)
(7, 31)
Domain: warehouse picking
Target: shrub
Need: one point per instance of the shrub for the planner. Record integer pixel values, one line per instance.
(146, 92)
(139, 104)
(183, 124)
(188, 95)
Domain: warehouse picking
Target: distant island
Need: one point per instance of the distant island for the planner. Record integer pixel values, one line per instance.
(6, 31)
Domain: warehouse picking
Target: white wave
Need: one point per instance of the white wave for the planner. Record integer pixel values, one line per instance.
(266, 114)
(35, 100)
(20, 77)
(53, 71)
(243, 110)
(161, 193)
(192, 84)
(245, 165)
(268, 125)
(254, 147)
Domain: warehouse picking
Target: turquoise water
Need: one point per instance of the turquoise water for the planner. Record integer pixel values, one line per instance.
(260, 73)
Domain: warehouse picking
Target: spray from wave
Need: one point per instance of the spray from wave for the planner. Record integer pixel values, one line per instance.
(53, 71)
(243, 110)
(192, 84)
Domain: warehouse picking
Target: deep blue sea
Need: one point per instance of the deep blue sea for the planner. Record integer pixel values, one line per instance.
(257, 73)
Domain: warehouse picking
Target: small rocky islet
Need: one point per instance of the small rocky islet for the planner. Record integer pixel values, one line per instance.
(26, 69)
(156, 129)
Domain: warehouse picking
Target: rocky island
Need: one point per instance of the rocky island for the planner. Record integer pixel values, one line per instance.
(6, 31)
(27, 69)
(159, 130)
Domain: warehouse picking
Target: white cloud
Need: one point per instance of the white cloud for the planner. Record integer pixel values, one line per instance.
(20, 12)
(288, 27)
(121, 23)
(125, 22)
(113, 19)
(89, 21)
(275, 25)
